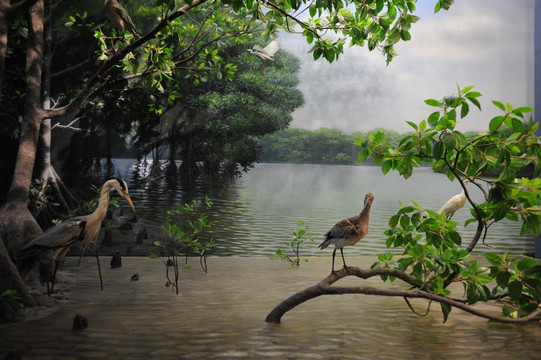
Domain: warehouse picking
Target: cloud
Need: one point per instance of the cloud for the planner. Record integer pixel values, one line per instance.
(486, 43)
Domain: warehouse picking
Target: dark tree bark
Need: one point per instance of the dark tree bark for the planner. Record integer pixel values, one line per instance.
(16, 223)
(324, 288)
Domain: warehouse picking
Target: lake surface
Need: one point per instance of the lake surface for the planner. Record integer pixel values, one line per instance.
(220, 315)
(256, 214)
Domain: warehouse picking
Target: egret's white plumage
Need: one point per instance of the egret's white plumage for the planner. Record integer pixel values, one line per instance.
(454, 203)
(348, 231)
(85, 229)
(267, 52)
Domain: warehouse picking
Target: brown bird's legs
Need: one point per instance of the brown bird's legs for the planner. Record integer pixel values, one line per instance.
(344, 260)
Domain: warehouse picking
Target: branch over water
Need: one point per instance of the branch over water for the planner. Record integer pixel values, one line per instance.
(324, 287)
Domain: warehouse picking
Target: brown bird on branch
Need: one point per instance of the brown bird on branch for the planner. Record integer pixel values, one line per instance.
(348, 231)
(81, 229)
(119, 17)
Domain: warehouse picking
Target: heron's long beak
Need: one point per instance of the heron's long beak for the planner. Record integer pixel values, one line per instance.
(128, 199)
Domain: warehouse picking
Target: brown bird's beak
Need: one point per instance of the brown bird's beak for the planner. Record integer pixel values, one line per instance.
(128, 199)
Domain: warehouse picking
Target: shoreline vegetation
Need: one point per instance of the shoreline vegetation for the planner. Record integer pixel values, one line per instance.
(321, 146)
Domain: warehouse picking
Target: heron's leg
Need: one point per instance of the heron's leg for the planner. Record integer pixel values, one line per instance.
(99, 267)
(333, 254)
(48, 286)
(54, 275)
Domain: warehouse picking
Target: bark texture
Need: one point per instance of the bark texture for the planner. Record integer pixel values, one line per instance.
(324, 288)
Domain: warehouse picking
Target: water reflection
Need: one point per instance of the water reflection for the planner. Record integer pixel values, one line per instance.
(257, 213)
(220, 315)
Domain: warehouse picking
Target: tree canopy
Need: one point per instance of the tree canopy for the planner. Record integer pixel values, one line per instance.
(67, 63)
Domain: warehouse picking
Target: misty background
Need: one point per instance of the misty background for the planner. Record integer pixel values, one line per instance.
(486, 43)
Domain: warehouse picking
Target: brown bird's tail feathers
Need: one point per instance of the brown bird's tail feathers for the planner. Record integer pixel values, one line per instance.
(324, 244)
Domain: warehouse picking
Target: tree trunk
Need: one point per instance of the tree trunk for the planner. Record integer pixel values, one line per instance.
(4, 26)
(17, 225)
(43, 168)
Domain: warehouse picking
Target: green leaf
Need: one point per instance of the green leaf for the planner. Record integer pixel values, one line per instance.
(455, 237)
(437, 151)
(404, 222)
(493, 258)
(472, 295)
(433, 118)
(433, 102)
(521, 110)
(499, 105)
(515, 289)
(393, 221)
(413, 125)
(526, 263)
(495, 123)
(386, 166)
(464, 110)
(502, 279)
(449, 141)
(446, 310)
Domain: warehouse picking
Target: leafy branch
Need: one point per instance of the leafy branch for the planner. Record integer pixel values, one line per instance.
(304, 231)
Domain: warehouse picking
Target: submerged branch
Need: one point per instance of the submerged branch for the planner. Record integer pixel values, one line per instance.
(325, 288)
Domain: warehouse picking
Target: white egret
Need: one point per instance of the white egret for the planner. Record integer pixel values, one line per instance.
(267, 52)
(454, 203)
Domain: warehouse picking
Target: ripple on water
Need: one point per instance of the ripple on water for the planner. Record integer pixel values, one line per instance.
(220, 315)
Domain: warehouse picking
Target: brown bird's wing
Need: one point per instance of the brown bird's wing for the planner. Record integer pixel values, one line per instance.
(343, 229)
(62, 235)
(123, 14)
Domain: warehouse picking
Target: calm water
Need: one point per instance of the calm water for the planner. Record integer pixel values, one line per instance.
(220, 315)
(257, 213)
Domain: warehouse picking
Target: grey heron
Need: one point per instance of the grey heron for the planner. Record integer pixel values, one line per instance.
(81, 229)
(348, 231)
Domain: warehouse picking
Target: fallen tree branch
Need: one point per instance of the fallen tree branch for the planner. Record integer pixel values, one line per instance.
(324, 288)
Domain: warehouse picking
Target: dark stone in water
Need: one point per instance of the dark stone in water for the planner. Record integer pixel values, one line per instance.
(13, 355)
(141, 235)
(135, 277)
(107, 238)
(116, 260)
(80, 322)
(125, 225)
(170, 262)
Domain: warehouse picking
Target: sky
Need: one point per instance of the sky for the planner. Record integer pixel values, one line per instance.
(485, 43)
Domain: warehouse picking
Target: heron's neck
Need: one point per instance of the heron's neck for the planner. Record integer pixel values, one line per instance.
(103, 204)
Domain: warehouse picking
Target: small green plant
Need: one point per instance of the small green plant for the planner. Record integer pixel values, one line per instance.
(304, 231)
(10, 301)
(184, 239)
(40, 196)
